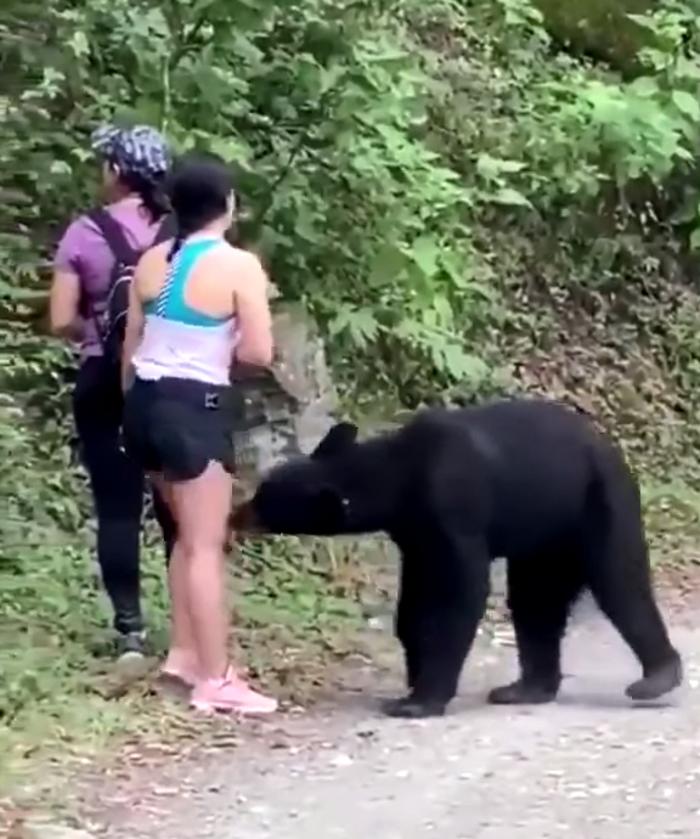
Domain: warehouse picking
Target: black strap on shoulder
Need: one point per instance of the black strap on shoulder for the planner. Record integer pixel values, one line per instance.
(114, 236)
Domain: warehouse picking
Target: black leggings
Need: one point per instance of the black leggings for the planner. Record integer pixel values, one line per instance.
(118, 486)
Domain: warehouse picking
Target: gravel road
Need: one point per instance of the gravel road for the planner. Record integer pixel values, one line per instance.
(590, 765)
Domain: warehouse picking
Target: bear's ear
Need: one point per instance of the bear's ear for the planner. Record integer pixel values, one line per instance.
(338, 439)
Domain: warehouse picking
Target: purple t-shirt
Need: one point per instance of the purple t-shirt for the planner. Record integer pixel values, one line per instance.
(84, 251)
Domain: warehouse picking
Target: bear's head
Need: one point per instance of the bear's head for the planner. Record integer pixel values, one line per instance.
(307, 495)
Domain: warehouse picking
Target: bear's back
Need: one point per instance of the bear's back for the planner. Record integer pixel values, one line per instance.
(520, 469)
(509, 426)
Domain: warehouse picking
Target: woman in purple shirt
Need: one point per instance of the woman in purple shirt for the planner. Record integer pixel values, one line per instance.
(135, 162)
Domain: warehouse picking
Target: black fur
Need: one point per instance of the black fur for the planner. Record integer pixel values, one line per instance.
(526, 479)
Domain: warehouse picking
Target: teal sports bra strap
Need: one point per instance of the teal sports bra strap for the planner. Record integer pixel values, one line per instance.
(170, 302)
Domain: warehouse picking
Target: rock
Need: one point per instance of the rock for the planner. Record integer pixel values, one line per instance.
(380, 623)
(599, 28)
(285, 411)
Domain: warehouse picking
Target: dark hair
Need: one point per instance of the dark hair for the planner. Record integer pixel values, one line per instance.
(150, 192)
(199, 190)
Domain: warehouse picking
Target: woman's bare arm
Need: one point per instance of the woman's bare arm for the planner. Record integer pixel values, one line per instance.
(64, 299)
(255, 345)
(132, 331)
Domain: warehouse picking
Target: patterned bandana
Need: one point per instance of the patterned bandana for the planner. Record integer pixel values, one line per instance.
(140, 150)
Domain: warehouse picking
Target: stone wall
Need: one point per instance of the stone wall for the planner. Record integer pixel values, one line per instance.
(599, 28)
(287, 410)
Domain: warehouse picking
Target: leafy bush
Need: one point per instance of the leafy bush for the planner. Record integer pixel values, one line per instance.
(465, 208)
(376, 143)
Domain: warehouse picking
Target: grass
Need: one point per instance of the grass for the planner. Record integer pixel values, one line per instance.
(672, 518)
(296, 608)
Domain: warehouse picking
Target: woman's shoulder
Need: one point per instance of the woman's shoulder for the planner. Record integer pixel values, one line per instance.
(242, 261)
(78, 225)
(155, 254)
(84, 228)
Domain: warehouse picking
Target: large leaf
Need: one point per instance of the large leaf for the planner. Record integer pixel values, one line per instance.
(687, 104)
(510, 197)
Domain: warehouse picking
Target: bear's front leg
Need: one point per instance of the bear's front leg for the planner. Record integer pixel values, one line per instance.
(450, 590)
(406, 618)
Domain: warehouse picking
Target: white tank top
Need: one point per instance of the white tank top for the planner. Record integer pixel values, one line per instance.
(181, 342)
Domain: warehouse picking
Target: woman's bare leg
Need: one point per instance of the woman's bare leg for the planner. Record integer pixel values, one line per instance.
(182, 660)
(202, 509)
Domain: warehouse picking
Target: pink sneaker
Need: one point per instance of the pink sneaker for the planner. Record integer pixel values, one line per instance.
(230, 694)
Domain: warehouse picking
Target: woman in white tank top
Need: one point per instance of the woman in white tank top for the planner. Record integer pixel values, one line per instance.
(196, 305)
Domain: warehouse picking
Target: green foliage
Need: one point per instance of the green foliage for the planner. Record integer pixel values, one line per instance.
(371, 157)
(605, 29)
(323, 122)
(464, 207)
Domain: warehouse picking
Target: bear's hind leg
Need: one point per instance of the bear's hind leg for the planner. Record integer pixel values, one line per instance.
(541, 590)
(619, 577)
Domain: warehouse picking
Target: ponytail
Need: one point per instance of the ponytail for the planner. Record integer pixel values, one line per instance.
(185, 227)
(154, 201)
(176, 245)
(150, 192)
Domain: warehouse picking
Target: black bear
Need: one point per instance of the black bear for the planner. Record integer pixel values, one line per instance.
(526, 479)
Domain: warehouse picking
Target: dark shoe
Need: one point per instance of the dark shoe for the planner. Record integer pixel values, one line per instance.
(131, 646)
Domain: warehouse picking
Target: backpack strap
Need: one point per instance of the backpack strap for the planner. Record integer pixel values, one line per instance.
(114, 236)
(122, 252)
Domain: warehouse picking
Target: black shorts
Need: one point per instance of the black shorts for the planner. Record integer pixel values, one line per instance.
(177, 426)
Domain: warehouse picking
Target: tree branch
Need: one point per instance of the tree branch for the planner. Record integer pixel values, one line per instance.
(186, 42)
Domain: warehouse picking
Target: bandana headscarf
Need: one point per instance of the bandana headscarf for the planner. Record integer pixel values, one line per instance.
(140, 150)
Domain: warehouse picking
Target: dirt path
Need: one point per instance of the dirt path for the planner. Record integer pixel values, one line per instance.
(591, 765)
